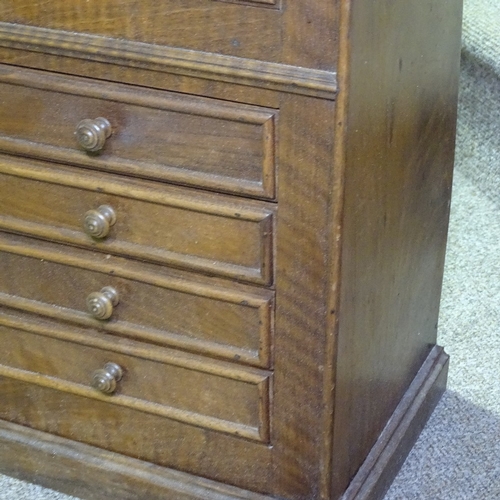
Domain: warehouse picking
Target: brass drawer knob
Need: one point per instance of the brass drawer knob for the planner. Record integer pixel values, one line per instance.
(96, 223)
(92, 134)
(101, 304)
(105, 379)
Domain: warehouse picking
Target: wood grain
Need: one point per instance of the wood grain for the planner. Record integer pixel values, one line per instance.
(203, 25)
(106, 474)
(258, 3)
(108, 469)
(303, 245)
(189, 448)
(340, 118)
(154, 135)
(236, 326)
(299, 34)
(300, 79)
(399, 133)
(212, 402)
(229, 244)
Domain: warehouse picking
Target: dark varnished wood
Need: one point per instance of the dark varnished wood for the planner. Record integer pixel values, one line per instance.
(228, 323)
(106, 475)
(223, 238)
(399, 138)
(205, 25)
(165, 60)
(344, 124)
(288, 35)
(229, 405)
(58, 460)
(205, 452)
(156, 135)
(300, 281)
(248, 91)
(276, 4)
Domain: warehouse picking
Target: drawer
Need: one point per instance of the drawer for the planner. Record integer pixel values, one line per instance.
(208, 233)
(156, 135)
(225, 322)
(213, 26)
(185, 388)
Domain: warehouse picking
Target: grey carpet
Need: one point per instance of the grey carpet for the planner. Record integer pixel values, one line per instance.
(478, 133)
(481, 32)
(12, 489)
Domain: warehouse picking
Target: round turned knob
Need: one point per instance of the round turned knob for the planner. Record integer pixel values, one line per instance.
(100, 304)
(92, 134)
(105, 379)
(96, 223)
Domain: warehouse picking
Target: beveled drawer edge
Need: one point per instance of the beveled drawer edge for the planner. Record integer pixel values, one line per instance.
(261, 74)
(261, 213)
(148, 171)
(193, 362)
(184, 416)
(196, 201)
(135, 251)
(145, 98)
(157, 100)
(269, 4)
(262, 300)
(135, 332)
(83, 470)
(248, 375)
(245, 294)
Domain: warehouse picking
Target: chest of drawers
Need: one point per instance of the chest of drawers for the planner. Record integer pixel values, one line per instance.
(222, 233)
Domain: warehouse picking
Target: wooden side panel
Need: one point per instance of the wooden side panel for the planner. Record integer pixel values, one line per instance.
(399, 140)
(301, 400)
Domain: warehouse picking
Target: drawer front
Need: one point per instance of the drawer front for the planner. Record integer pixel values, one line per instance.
(152, 438)
(212, 26)
(224, 322)
(156, 135)
(187, 389)
(173, 227)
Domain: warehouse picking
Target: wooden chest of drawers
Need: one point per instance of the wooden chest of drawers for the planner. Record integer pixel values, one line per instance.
(222, 233)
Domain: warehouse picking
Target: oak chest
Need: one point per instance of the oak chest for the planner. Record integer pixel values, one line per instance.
(222, 233)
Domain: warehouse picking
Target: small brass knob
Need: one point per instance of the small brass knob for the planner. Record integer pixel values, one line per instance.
(100, 304)
(105, 379)
(92, 134)
(96, 223)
